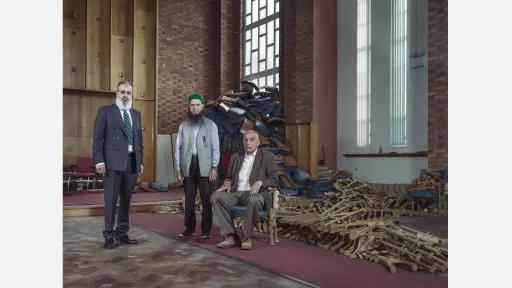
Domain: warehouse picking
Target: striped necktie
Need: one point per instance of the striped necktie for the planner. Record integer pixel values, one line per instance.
(128, 127)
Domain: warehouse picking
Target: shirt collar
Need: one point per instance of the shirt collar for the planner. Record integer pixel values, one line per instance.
(253, 154)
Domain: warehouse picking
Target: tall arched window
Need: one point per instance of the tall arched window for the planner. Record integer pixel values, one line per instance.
(261, 45)
(364, 64)
(398, 65)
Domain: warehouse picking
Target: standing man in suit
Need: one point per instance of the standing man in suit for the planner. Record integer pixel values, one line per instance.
(118, 156)
(197, 156)
(249, 176)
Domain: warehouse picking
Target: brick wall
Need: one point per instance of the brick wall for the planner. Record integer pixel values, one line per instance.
(199, 50)
(191, 36)
(296, 60)
(438, 84)
(230, 45)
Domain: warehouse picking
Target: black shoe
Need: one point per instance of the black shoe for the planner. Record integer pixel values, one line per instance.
(206, 236)
(126, 240)
(110, 243)
(186, 233)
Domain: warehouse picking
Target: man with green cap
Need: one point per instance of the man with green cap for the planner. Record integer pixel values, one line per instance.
(197, 156)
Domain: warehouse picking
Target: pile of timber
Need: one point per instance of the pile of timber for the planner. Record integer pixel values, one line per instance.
(356, 223)
(431, 181)
(177, 207)
(173, 207)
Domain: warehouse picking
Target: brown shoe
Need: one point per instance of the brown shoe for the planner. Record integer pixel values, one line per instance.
(246, 244)
(227, 243)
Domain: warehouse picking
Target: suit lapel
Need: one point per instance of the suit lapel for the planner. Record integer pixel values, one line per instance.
(255, 166)
(236, 171)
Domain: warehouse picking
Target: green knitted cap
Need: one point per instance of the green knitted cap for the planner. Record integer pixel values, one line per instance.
(196, 96)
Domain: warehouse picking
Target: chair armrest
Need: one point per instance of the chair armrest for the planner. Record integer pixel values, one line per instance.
(274, 192)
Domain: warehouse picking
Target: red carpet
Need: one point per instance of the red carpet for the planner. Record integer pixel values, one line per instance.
(96, 197)
(296, 259)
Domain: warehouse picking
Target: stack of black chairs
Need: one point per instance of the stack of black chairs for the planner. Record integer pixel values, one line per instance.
(260, 109)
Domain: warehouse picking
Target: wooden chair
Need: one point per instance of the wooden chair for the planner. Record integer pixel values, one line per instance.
(83, 174)
(269, 216)
(437, 196)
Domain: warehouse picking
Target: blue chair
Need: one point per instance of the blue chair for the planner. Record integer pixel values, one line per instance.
(430, 196)
(269, 215)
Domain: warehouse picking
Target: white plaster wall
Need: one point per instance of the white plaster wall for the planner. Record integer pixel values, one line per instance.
(382, 170)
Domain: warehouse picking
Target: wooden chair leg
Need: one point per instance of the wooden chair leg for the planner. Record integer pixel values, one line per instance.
(69, 182)
(271, 230)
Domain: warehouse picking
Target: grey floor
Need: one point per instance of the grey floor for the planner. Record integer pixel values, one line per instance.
(157, 261)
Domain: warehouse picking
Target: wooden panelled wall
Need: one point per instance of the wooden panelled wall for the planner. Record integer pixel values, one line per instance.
(106, 41)
(303, 141)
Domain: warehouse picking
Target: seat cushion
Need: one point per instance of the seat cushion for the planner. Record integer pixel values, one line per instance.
(313, 193)
(422, 194)
(320, 183)
(289, 191)
(239, 211)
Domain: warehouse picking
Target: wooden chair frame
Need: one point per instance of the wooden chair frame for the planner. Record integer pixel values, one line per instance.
(271, 220)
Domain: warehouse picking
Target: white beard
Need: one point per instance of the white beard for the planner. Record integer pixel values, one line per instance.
(122, 104)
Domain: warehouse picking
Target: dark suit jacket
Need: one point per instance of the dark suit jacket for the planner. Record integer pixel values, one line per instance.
(264, 168)
(110, 143)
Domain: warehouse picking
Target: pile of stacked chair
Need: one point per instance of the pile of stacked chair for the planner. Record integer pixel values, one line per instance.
(260, 109)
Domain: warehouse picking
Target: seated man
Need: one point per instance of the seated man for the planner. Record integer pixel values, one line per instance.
(248, 177)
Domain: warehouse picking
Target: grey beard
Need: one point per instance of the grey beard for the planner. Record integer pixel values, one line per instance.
(123, 105)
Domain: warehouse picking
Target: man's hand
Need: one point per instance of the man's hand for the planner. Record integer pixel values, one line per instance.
(213, 175)
(141, 169)
(100, 169)
(179, 175)
(255, 188)
(226, 186)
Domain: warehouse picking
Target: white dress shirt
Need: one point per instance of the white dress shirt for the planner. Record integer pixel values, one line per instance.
(195, 131)
(245, 172)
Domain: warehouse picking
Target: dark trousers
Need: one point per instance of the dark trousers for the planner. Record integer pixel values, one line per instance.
(222, 201)
(191, 184)
(118, 184)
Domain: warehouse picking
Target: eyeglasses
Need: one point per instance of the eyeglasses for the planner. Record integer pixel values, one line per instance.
(124, 92)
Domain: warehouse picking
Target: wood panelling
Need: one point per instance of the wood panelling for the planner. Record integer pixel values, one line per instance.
(120, 60)
(144, 52)
(70, 113)
(76, 147)
(78, 123)
(74, 14)
(147, 5)
(304, 146)
(74, 38)
(98, 40)
(122, 18)
(98, 44)
(303, 141)
(147, 110)
(74, 58)
(121, 57)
